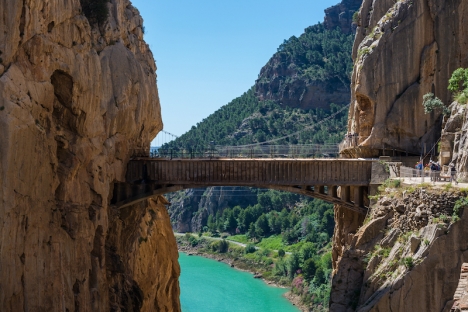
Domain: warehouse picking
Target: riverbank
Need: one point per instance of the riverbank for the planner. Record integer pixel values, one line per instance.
(238, 263)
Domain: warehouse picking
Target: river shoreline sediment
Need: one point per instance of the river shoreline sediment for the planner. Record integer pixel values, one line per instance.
(292, 298)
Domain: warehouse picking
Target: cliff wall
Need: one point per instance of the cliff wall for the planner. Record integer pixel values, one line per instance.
(77, 94)
(403, 50)
(407, 255)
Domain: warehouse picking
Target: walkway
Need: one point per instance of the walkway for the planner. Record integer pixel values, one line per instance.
(319, 178)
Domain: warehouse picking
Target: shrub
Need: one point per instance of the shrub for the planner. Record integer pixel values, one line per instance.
(356, 17)
(214, 246)
(433, 103)
(223, 246)
(408, 262)
(281, 253)
(249, 248)
(458, 84)
(459, 204)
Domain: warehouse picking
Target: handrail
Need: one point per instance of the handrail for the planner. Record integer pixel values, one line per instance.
(413, 174)
(260, 151)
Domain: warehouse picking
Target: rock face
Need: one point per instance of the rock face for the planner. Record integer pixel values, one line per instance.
(75, 98)
(454, 140)
(403, 50)
(406, 257)
(341, 15)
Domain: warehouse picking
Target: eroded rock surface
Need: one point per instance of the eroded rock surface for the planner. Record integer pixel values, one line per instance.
(75, 98)
(407, 255)
(454, 140)
(403, 50)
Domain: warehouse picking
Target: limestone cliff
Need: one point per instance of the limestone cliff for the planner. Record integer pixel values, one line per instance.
(77, 94)
(403, 50)
(454, 140)
(406, 257)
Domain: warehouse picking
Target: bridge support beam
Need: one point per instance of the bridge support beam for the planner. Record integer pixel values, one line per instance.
(345, 193)
(332, 191)
(319, 189)
(358, 196)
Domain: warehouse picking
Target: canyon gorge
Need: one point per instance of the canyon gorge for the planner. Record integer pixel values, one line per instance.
(78, 96)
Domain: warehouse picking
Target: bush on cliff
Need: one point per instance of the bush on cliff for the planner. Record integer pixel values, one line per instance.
(432, 103)
(458, 84)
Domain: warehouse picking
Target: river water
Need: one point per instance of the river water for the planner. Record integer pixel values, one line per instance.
(210, 286)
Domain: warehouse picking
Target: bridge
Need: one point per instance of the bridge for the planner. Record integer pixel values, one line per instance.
(318, 178)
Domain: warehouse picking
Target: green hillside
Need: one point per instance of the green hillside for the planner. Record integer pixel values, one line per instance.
(247, 120)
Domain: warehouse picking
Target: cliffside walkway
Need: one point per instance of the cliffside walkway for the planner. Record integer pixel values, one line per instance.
(318, 178)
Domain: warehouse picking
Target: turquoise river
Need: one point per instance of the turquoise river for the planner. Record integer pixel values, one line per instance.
(207, 286)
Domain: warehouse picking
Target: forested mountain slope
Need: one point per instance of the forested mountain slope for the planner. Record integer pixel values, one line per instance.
(311, 71)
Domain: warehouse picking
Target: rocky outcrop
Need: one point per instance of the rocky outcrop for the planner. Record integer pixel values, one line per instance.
(298, 93)
(76, 96)
(341, 16)
(454, 140)
(403, 50)
(407, 255)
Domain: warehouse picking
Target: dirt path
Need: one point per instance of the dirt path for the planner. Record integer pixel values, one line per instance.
(219, 238)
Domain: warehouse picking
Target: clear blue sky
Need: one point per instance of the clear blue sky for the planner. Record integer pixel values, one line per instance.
(209, 52)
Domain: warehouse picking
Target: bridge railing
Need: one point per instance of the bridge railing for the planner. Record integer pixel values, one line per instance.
(420, 176)
(257, 151)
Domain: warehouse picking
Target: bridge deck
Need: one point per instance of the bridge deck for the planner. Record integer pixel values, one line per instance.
(251, 172)
(319, 178)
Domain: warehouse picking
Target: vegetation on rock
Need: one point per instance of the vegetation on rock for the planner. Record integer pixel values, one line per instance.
(432, 103)
(318, 54)
(458, 84)
(247, 120)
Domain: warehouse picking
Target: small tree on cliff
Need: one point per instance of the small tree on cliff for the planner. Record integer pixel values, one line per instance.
(433, 103)
(458, 84)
